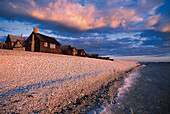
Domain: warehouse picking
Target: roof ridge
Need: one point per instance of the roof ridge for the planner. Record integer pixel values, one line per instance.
(15, 35)
(45, 38)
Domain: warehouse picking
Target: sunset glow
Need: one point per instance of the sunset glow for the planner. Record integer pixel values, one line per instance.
(77, 22)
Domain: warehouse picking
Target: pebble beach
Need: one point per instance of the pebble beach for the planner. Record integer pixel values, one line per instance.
(33, 82)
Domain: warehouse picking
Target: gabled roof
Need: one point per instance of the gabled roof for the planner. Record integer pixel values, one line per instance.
(22, 43)
(45, 38)
(14, 38)
(64, 48)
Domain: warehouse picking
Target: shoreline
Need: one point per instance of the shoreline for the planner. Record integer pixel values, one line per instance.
(98, 95)
(48, 83)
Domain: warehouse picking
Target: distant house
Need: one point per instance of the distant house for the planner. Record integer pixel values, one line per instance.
(66, 50)
(15, 42)
(2, 45)
(92, 55)
(74, 51)
(37, 42)
(81, 52)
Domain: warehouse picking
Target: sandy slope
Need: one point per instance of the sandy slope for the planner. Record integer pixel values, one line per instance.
(42, 82)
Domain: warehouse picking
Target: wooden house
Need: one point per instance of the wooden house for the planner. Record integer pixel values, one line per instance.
(74, 51)
(37, 42)
(13, 42)
(66, 50)
(2, 45)
(92, 55)
(81, 52)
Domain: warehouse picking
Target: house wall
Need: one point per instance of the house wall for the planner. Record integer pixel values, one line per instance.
(29, 42)
(9, 44)
(37, 44)
(47, 49)
(69, 51)
(75, 52)
(19, 49)
(2, 46)
(83, 53)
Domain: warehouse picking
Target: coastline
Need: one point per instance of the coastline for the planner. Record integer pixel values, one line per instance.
(67, 94)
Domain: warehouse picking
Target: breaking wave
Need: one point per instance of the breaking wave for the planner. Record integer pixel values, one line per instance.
(128, 82)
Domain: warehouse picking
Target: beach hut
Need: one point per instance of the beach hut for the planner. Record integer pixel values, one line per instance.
(37, 42)
(2, 45)
(81, 52)
(12, 39)
(66, 50)
(74, 51)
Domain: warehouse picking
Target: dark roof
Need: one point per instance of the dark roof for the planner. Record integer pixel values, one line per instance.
(64, 48)
(45, 38)
(14, 38)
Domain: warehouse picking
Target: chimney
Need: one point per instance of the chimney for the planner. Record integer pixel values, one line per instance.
(35, 29)
(33, 38)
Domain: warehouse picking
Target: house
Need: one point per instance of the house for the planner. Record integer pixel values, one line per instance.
(2, 45)
(66, 50)
(92, 55)
(13, 42)
(105, 58)
(81, 52)
(74, 51)
(37, 42)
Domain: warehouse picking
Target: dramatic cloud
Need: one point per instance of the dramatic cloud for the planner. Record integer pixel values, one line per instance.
(86, 15)
(107, 27)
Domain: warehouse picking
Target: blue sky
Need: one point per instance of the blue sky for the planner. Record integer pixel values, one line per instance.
(124, 29)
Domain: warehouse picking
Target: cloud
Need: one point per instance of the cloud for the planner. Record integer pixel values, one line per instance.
(122, 35)
(166, 28)
(75, 15)
(152, 20)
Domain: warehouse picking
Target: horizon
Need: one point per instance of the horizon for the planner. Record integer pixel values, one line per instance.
(129, 30)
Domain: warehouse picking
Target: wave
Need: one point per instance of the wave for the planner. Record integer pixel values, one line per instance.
(128, 82)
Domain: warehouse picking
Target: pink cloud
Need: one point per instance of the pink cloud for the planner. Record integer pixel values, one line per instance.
(72, 14)
(85, 17)
(165, 28)
(151, 21)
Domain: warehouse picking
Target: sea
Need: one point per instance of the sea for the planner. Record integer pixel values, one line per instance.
(145, 91)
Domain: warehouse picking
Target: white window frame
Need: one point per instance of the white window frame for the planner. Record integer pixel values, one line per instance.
(53, 46)
(45, 44)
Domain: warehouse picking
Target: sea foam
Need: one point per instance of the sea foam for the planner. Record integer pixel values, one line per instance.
(128, 82)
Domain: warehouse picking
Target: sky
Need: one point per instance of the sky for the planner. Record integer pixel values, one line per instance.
(125, 29)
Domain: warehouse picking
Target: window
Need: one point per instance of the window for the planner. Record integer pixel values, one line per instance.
(45, 44)
(52, 46)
